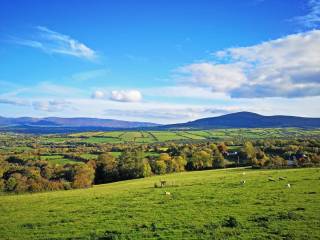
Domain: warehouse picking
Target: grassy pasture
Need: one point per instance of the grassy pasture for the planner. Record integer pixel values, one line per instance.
(162, 136)
(202, 205)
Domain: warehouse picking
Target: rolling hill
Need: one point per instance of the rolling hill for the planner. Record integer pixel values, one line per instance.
(201, 205)
(248, 120)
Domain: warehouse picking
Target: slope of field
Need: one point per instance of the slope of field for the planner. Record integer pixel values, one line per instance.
(201, 205)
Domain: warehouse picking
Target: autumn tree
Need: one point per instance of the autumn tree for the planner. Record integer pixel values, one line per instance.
(250, 153)
(83, 176)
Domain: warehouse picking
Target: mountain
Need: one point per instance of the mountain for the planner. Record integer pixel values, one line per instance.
(247, 120)
(61, 125)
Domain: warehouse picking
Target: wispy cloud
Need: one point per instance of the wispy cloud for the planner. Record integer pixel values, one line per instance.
(51, 105)
(57, 43)
(89, 75)
(15, 102)
(312, 18)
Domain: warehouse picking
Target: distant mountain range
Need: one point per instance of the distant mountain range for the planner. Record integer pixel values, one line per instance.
(61, 125)
(233, 120)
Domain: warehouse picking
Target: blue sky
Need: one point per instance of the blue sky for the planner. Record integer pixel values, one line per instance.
(160, 61)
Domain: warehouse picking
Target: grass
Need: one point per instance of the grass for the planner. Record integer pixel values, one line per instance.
(202, 205)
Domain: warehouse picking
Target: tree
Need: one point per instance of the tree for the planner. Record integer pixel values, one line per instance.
(131, 164)
(83, 176)
(160, 167)
(222, 147)
(180, 163)
(146, 168)
(218, 160)
(201, 160)
(106, 169)
(250, 152)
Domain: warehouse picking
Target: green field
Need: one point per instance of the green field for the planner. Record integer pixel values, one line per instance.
(202, 205)
(162, 136)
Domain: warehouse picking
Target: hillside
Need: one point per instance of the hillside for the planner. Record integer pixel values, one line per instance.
(201, 205)
(248, 120)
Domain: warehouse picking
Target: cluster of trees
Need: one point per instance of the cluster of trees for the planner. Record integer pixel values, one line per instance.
(25, 171)
(17, 175)
(282, 153)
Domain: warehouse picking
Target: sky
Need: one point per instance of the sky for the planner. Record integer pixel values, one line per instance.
(162, 61)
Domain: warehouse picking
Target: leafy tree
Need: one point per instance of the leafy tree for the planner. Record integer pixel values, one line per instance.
(250, 152)
(222, 147)
(11, 184)
(146, 168)
(218, 160)
(201, 159)
(83, 176)
(180, 163)
(106, 169)
(160, 167)
(131, 164)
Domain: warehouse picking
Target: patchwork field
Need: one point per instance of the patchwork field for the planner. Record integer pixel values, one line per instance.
(161, 136)
(201, 205)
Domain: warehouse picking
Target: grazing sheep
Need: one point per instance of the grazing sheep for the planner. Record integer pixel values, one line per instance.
(243, 173)
(163, 183)
(271, 179)
(288, 185)
(243, 182)
(282, 178)
(167, 193)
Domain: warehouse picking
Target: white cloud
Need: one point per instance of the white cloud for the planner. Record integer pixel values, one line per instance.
(312, 18)
(53, 42)
(126, 96)
(286, 67)
(50, 105)
(220, 77)
(98, 94)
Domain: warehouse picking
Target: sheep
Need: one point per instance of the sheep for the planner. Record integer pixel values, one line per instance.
(243, 182)
(288, 185)
(243, 173)
(163, 183)
(167, 193)
(282, 178)
(271, 179)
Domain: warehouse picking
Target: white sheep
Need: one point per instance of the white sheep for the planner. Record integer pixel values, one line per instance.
(288, 185)
(243, 173)
(167, 193)
(243, 182)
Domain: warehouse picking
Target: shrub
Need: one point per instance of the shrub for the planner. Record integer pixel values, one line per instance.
(230, 222)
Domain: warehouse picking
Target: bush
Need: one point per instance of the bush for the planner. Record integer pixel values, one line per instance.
(230, 222)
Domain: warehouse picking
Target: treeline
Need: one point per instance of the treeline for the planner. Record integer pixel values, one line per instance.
(28, 173)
